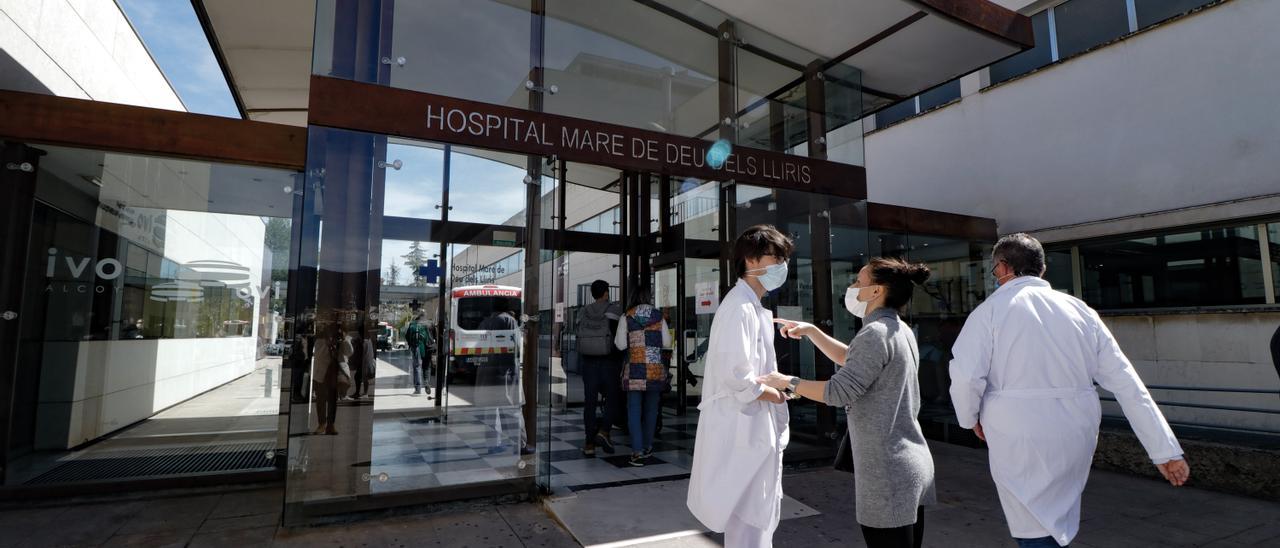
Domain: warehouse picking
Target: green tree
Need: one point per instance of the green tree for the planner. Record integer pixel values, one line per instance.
(414, 259)
(392, 275)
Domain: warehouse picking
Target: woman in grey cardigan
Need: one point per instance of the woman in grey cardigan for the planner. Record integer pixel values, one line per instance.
(879, 388)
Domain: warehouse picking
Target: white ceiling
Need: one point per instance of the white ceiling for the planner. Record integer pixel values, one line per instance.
(268, 49)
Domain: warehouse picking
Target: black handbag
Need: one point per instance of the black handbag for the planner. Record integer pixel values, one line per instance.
(844, 455)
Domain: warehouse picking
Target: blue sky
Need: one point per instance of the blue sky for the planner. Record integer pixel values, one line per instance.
(173, 35)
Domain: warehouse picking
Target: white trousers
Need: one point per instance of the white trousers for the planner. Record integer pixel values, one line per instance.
(738, 534)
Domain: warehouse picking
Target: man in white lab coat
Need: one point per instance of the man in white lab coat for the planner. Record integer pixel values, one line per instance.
(1022, 379)
(736, 482)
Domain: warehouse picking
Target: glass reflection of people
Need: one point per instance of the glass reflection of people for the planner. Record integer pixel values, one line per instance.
(643, 335)
(300, 351)
(368, 362)
(133, 330)
(329, 367)
(501, 369)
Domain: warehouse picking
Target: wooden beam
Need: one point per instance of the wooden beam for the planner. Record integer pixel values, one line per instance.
(36, 118)
(987, 17)
(892, 218)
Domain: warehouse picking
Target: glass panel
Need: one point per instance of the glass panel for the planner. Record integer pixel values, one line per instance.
(696, 204)
(154, 320)
(415, 190)
(1028, 60)
(431, 344)
(843, 89)
(1210, 267)
(629, 64)
(1151, 12)
(939, 308)
(474, 49)
(1058, 269)
(898, 112)
(1083, 24)
(1273, 240)
(486, 187)
(940, 95)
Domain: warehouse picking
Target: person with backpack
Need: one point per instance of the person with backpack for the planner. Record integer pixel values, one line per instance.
(419, 341)
(601, 367)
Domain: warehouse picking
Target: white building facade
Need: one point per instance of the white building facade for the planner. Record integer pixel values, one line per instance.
(1135, 141)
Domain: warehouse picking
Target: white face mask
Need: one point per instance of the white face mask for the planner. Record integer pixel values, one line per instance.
(774, 276)
(852, 304)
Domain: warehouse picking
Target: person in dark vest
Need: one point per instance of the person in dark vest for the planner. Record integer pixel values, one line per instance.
(601, 367)
(643, 334)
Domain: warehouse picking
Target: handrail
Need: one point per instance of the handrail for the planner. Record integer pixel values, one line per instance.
(1213, 389)
(1202, 425)
(1203, 406)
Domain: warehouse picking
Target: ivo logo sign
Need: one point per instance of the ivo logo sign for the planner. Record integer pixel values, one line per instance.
(107, 269)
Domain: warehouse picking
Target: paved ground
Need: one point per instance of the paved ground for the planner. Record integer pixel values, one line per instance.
(1120, 511)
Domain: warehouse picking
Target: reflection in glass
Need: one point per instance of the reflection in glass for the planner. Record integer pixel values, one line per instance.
(1273, 240)
(154, 318)
(474, 49)
(1029, 60)
(1083, 24)
(1151, 12)
(1210, 267)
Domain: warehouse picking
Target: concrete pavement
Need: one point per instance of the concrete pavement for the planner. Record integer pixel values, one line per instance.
(1119, 511)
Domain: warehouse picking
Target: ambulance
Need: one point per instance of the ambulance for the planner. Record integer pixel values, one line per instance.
(473, 349)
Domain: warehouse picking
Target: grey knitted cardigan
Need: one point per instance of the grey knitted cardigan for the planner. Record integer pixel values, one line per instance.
(880, 389)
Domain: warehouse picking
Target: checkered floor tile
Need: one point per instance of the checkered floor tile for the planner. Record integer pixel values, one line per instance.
(481, 445)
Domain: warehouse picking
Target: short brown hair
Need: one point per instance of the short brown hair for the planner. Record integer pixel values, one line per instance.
(756, 242)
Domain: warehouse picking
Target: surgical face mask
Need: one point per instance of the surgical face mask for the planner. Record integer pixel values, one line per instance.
(852, 304)
(997, 277)
(774, 276)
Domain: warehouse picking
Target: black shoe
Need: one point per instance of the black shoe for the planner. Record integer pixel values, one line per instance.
(605, 443)
(589, 450)
(636, 460)
(417, 392)
(647, 453)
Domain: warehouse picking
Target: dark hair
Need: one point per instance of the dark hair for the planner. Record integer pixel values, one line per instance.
(899, 278)
(756, 242)
(1023, 254)
(599, 288)
(640, 294)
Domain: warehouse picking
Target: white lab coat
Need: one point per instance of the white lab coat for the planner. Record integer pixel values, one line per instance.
(1024, 366)
(737, 455)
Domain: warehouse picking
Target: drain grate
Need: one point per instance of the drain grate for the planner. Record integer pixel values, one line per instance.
(174, 461)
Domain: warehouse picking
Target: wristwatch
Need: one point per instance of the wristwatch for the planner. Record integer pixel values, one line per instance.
(794, 383)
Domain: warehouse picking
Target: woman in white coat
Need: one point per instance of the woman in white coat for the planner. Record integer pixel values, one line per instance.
(736, 483)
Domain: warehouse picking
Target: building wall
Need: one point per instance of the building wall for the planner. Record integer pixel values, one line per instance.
(1208, 350)
(117, 383)
(90, 389)
(1168, 118)
(85, 49)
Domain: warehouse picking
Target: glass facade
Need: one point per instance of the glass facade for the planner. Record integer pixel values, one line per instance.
(153, 319)
(397, 321)
(1029, 60)
(1211, 267)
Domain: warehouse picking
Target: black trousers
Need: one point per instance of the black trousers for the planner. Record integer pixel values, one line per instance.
(907, 536)
(601, 379)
